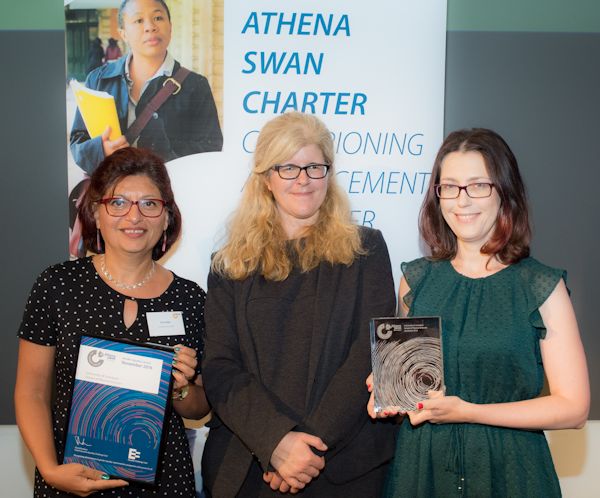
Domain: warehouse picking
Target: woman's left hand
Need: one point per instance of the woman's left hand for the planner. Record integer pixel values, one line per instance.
(440, 409)
(278, 483)
(184, 366)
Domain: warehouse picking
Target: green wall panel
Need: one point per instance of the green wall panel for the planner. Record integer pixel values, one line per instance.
(32, 14)
(574, 16)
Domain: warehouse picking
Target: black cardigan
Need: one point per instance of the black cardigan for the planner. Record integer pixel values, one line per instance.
(249, 421)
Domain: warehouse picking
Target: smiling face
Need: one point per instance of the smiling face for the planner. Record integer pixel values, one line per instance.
(298, 201)
(146, 28)
(471, 220)
(132, 233)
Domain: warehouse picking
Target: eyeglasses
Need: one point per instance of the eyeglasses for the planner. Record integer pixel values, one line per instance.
(120, 206)
(474, 190)
(315, 171)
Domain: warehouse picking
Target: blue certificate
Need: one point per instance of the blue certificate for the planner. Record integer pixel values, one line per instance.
(118, 407)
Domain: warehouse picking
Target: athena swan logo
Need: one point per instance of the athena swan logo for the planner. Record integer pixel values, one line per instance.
(385, 330)
(95, 358)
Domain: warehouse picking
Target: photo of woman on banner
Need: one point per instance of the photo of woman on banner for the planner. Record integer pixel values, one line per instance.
(291, 293)
(507, 322)
(129, 220)
(160, 105)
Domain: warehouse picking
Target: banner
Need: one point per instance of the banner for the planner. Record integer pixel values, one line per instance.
(373, 72)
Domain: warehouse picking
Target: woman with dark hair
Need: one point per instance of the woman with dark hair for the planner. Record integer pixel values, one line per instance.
(186, 123)
(113, 52)
(292, 291)
(130, 219)
(95, 55)
(507, 320)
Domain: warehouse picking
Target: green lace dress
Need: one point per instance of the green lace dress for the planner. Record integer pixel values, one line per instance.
(491, 332)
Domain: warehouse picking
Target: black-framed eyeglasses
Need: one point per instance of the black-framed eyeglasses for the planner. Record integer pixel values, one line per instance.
(476, 190)
(315, 171)
(120, 206)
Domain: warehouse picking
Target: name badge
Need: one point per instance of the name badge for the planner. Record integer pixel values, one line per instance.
(165, 323)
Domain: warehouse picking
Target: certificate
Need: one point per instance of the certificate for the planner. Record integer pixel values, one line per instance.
(406, 356)
(118, 407)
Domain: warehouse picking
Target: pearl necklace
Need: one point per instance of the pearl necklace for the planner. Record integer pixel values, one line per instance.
(123, 285)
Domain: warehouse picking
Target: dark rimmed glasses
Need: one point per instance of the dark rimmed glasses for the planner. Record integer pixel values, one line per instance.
(315, 171)
(476, 190)
(120, 206)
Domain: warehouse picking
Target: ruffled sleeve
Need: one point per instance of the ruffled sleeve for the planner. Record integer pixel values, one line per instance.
(540, 280)
(414, 272)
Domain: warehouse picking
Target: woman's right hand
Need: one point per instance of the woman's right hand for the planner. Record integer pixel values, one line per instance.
(371, 403)
(295, 460)
(79, 479)
(109, 146)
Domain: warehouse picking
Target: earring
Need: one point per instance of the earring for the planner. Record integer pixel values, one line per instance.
(164, 244)
(98, 245)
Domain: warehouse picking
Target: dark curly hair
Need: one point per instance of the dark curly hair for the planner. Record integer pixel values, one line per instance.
(124, 4)
(129, 161)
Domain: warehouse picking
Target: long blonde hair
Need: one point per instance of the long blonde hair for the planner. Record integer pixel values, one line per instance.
(256, 241)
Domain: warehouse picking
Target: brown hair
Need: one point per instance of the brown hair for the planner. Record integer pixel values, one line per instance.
(512, 234)
(128, 161)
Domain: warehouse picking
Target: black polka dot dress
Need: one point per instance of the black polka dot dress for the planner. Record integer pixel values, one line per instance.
(70, 299)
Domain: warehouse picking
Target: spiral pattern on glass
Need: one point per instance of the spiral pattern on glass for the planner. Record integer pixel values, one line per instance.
(405, 371)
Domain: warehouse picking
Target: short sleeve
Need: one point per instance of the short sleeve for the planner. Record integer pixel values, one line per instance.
(39, 319)
(414, 273)
(540, 280)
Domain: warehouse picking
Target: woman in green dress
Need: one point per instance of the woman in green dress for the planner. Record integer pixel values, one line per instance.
(507, 320)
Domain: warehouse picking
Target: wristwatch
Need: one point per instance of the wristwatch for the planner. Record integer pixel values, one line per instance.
(181, 393)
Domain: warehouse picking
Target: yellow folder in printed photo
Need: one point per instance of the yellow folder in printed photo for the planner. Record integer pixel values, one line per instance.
(97, 109)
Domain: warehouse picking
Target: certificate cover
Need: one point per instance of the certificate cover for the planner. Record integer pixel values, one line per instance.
(406, 355)
(118, 407)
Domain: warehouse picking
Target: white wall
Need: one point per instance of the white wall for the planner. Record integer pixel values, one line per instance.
(576, 456)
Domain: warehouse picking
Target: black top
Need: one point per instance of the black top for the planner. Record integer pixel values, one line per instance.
(294, 355)
(70, 299)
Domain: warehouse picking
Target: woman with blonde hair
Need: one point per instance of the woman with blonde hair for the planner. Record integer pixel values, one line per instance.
(287, 329)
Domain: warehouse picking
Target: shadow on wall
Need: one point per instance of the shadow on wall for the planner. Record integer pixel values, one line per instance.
(27, 464)
(569, 450)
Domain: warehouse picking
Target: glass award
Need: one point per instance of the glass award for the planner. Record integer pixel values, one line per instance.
(406, 356)
(118, 406)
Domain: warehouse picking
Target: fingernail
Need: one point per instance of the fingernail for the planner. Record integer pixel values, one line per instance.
(174, 361)
(106, 477)
(419, 406)
(177, 349)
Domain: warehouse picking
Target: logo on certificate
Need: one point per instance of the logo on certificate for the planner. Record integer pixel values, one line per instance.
(133, 454)
(95, 358)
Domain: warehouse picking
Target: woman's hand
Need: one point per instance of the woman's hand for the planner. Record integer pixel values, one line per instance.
(278, 483)
(440, 409)
(371, 402)
(295, 460)
(79, 479)
(195, 405)
(109, 146)
(184, 366)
